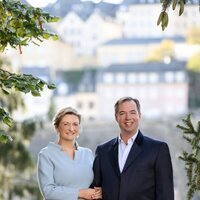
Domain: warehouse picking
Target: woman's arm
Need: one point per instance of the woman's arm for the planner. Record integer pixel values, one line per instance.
(46, 182)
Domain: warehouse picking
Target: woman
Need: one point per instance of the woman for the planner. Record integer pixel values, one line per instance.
(64, 168)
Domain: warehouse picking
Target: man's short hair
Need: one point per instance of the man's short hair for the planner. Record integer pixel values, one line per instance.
(124, 99)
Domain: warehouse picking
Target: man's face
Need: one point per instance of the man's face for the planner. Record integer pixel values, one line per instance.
(128, 118)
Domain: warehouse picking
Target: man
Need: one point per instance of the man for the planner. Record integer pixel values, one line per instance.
(133, 166)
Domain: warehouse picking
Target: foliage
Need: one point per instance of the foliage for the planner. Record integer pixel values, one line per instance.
(193, 66)
(163, 18)
(192, 158)
(52, 109)
(194, 63)
(22, 82)
(194, 85)
(165, 49)
(16, 163)
(20, 24)
(193, 36)
(10, 82)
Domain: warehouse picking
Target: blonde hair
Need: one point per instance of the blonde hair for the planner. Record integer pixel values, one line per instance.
(65, 111)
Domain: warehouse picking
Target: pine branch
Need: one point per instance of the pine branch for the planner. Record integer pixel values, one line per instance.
(198, 128)
(191, 159)
(188, 123)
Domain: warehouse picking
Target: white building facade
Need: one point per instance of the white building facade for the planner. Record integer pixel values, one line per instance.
(140, 20)
(162, 89)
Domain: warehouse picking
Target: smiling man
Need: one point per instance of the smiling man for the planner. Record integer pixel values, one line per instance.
(133, 166)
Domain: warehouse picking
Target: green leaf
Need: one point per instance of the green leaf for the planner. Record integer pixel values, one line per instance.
(5, 91)
(31, 87)
(55, 37)
(51, 86)
(24, 42)
(53, 19)
(35, 93)
(4, 138)
(46, 35)
(19, 24)
(8, 121)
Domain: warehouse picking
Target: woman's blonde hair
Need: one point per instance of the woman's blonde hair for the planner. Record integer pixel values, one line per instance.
(65, 111)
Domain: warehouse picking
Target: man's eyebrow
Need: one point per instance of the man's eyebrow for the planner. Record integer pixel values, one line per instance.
(128, 111)
(133, 110)
(122, 111)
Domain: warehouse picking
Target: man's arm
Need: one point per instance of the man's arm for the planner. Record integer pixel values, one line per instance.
(164, 175)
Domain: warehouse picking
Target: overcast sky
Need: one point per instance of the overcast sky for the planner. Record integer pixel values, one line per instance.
(43, 3)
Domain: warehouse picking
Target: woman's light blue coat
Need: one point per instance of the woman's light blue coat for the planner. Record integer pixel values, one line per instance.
(60, 177)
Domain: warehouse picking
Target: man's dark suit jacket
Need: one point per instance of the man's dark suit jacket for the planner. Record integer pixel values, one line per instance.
(147, 174)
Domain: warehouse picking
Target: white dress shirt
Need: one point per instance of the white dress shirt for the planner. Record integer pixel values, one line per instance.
(124, 149)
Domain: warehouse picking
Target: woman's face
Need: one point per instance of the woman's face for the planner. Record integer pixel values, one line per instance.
(68, 127)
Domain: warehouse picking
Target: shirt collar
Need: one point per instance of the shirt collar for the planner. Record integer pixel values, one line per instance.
(130, 140)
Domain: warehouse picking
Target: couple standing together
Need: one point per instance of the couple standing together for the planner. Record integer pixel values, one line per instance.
(128, 167)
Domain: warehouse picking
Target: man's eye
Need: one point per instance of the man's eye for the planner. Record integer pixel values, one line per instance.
(133, 113)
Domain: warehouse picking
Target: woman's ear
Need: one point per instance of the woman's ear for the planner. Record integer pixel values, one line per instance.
(116, 117)
(57, 131)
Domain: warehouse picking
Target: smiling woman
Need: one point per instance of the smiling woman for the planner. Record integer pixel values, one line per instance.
(41, 3)
(64, 168)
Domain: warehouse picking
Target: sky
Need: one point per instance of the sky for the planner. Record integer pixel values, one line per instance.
(43, 3)
(40, 3)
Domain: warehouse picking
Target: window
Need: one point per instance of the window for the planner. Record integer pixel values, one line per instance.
(142, 77)
(120, 77)
(169, 77)
(108, 78)
(91, 104)
(180, 76)
(132, 78)
(153, 77)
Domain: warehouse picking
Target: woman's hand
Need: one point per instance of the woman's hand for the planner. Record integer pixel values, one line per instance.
(86, 193)
(98, 193)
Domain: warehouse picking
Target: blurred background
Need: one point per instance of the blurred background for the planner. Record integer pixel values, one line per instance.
(106, 50)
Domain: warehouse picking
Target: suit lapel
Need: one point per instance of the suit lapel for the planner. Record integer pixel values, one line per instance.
(113, 155)
(135, 151)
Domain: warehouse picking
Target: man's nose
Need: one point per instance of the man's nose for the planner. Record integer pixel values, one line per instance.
(128, 116)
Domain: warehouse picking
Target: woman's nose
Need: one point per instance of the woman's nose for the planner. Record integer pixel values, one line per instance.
(71, 128)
